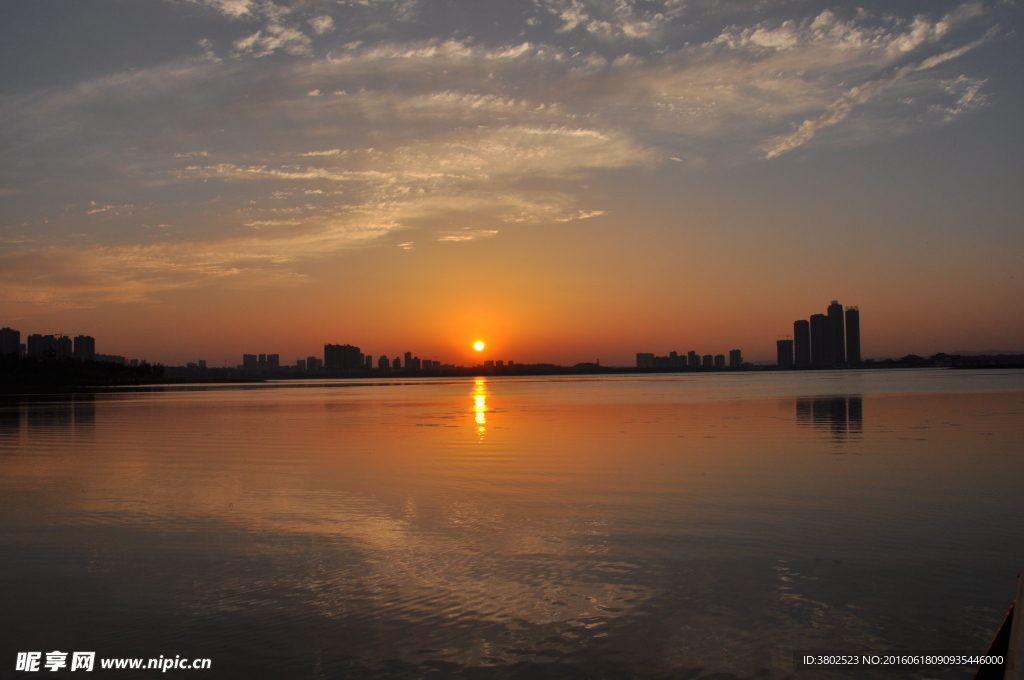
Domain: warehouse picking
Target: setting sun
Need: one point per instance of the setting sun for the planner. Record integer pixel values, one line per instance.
(478, 345)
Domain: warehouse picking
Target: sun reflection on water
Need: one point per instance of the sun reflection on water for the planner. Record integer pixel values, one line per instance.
(480, 405)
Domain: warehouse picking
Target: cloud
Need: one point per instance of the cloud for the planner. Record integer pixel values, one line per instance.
(607, 20)
(322, 24)
(272, 38)
(467, 235)
(260, 167)
(839, 109)
(230, 8)
(968, 94)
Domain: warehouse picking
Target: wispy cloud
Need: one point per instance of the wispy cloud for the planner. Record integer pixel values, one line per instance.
(838, 110)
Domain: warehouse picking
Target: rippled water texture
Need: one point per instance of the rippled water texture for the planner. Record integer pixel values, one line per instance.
(652, 527)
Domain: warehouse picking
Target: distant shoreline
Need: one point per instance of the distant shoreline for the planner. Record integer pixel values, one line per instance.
(34, 376)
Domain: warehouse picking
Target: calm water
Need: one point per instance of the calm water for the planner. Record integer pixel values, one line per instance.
(650, 527)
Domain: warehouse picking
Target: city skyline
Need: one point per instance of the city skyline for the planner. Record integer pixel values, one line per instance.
(568, 181)
(831, 340)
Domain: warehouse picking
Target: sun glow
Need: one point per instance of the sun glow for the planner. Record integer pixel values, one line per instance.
(478, 345)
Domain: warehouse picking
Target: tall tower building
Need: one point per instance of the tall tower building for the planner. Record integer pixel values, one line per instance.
(735, 358)
(801, 343)
(785, 353)
(821, 341)
(835, 321)
(852, 335)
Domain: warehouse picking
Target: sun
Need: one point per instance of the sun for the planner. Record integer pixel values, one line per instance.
(478, 345)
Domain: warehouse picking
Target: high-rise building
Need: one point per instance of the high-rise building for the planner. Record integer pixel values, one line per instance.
(735, 358)
(313, 364)
(42, 346)
(343, 357)
(801, 343)
(368, 362)
(784, 350)
(85, 348)
(249, 362)
(835, 320)
(692, 360)
(852, 335)
(261, 364)
(396, 364)
(821, 341)
(707, 361)
(408, 361)
(273, 362)
(383, 363)
(300, 365)
(10, 341)
(64, 346)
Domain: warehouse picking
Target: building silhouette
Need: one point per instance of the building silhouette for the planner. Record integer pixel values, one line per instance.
(784, 350)
(852, 335)
(829, 340)
(821, 341)
(342, 357)
(835, 322)
(801, 343)
(85, 348)
(10, 341)
(735, 358)
(41, 346)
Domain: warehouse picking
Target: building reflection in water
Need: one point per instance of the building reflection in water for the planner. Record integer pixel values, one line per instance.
(10, 418)
(64, 414)
(480, 405)
(841, 418)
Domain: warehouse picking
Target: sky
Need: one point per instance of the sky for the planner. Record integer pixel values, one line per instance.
(566, 180)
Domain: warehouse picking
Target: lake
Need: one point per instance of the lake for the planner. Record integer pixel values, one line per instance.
(643, 526)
